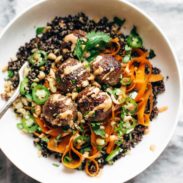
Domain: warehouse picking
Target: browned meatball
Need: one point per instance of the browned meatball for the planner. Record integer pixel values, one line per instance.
(59, 111)
(94, 104)
(106, 69)
(72, 75)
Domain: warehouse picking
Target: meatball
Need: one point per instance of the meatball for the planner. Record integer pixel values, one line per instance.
(72, 76)
(106, 69)
(94, 104)
(59, 111)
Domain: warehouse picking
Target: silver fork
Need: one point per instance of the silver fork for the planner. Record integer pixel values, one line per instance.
(16, 92)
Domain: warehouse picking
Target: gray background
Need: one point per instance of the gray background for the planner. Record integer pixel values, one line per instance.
(169, 166)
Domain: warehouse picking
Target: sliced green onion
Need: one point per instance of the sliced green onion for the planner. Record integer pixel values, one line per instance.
(113, 154)
(67, 159)
(24, 86)
(126, 58)
(134, 41)
(131, 105)
(27, 124)
(125, 81)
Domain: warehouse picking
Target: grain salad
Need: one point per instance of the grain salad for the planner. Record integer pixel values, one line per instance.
(89, 93)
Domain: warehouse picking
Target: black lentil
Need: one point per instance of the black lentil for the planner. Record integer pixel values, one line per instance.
(52, 42)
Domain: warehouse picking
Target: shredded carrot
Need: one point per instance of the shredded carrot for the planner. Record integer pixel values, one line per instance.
(117, 45)
(87, 168)
(60, 148)
(139, 70)
(110, 146)
(93, 142)
(46, 84)
(156, 77)
(142, 117)
(41, 125)
(57, 131)
(141, 78)
(118, 58)
(70, 150)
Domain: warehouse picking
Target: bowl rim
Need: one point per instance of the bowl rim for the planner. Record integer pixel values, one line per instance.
(159, 29)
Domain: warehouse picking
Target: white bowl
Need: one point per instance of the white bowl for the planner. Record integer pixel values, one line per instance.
(19, 148)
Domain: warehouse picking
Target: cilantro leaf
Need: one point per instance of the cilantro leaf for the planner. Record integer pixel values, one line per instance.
(10, 73)
(134, 40)
(97, 130)
(134, 31)
(95, 43)
(39, 30)
(97, 39)
(119, 21)
(151, 54)
(79, 51)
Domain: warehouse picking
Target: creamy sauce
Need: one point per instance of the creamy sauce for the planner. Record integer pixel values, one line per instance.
(82, 72)
(64, 115)
(71, 68)
(107, 74)
(68, 101)
(57, 97)
(97, 59)
(93, 90)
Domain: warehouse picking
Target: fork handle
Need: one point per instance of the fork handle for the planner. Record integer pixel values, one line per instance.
(9, 102)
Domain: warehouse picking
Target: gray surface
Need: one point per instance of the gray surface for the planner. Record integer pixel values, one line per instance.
(169, 166)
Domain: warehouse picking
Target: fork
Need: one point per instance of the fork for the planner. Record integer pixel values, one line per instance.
(16, 93)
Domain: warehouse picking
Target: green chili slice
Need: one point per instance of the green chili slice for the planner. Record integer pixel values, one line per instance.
(125, 81)
(40, 94)
(24, 86)
(131, 105)
(134, 41)
(38, 58)
(27, 124)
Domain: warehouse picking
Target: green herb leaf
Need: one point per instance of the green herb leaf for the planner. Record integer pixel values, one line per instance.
(86, 149)
(113, 154)
(39, 30)
(96, 41)
(134, 31)
(79, 51)
(151, 54)
(97, 130)
(67, 159)
(82, 138)
(28, 125)
(126, 58)
(55, 164)
(134, 40)
(10, 73)
(45, 139)
(119, 21)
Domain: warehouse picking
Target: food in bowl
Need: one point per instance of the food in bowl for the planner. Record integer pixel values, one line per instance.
(89, 92)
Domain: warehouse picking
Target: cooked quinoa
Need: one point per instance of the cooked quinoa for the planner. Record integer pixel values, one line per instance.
(52, 40)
